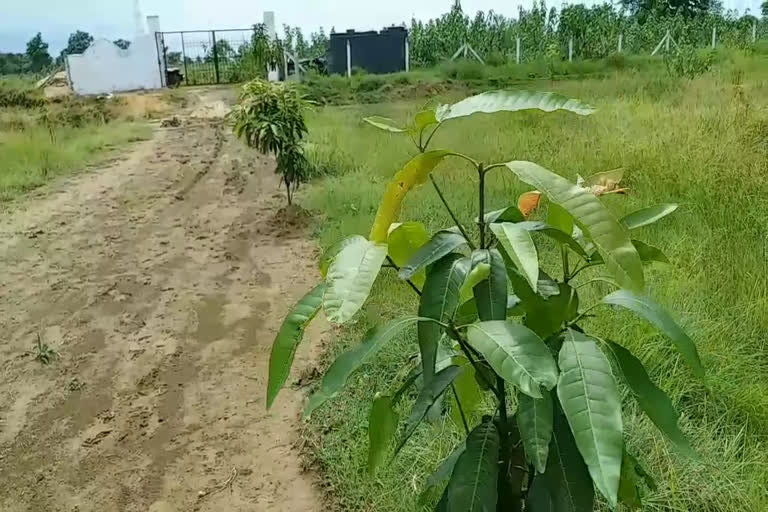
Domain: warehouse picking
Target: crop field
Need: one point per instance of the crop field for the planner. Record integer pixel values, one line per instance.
(702, 143)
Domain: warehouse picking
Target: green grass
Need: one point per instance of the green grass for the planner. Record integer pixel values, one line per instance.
(30, 158)
(701, 143)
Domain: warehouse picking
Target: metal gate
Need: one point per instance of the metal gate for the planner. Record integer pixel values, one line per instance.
(205, 57)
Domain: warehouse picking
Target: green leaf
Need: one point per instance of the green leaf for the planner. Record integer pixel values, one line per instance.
(439, 300)
(350, 278)
(560, 219)
(415, 173)
(516, 354)
(382, 425)
(424, 119)
(566, 485)
(609, 236)
(655, 314)
(629, 493)
(329, 255)
(474, 481)
(653, 401)
(648, 215)
(491, 294)
(429, 394)
(336, 377)
(384, 123)
(438, 246)
(534, 419)
(444, 470)
(288, 338)
(647, 253)
(468, 391)
(403, 241)
(546, 317)
(479, 272)
(555, 234)
(467, 313)
(591, 402)
(508, 214)
(518, 244)
(511, 101)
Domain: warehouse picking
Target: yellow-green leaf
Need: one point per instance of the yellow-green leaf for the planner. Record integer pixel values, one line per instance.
(413, 174)
(403, 242)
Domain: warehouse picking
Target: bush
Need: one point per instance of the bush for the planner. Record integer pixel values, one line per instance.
(463, 69)
(368, 83)
(616, 61)
(22, 98)
(688, 63)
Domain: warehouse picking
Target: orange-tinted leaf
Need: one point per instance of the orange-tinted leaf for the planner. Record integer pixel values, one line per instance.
(528, 202)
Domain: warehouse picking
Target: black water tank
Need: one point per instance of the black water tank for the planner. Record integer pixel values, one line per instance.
(375, 52)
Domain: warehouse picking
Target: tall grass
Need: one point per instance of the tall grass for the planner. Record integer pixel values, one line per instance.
(30, 158)
(701, 143)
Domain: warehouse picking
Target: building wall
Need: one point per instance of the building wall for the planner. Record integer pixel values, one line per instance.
(104, 68)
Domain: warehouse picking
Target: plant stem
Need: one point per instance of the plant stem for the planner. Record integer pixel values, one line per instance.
(481, 205)
(450, 212)
(502, 402)
(566, 266)
(413, 286)
(583, 267)
(461, 409)
(494, 166)
(429, 139)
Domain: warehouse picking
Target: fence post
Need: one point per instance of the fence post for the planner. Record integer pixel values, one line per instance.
(184, 58)
(407, 55)
(754, 31)
(349, 58)
(621, 40)
(215, 55)
(517, 49)
(570, 50)
(666, 44)
(714, 37)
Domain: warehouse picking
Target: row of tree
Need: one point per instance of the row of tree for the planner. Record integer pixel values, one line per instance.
(37, 58)
(594, 30)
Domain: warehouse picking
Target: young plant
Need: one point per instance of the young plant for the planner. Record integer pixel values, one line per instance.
(509, 329)
(44, 353)
(270, 117)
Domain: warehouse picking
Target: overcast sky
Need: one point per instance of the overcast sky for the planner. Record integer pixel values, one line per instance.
(56, 19)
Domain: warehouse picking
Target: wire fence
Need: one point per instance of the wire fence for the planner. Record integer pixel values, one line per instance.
(207, 57)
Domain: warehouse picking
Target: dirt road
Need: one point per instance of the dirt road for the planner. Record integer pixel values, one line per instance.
(161, 280)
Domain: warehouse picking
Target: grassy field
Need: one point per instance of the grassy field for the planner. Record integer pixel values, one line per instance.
(702, 143)
(40, 140)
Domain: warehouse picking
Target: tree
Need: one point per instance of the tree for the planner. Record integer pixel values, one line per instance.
(302, 48)
(37, 54)
(78, 42)
(270, 118)
(668, 7)
(764, 9)
(491, 321)
(122, 44)
(224, 51)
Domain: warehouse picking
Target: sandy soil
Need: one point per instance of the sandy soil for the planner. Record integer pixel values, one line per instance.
(161, 280)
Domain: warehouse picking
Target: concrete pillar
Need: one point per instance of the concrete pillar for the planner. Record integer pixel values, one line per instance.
(349, 58)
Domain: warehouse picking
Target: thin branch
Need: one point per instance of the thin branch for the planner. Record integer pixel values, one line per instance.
(481, 205)
(598, 280)
(469, 159)
(412, 285)
(584, 313)
(566, 266)
(429, 139)
(461, 409)
(583, 267)
(494, 166)
(450, 212)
